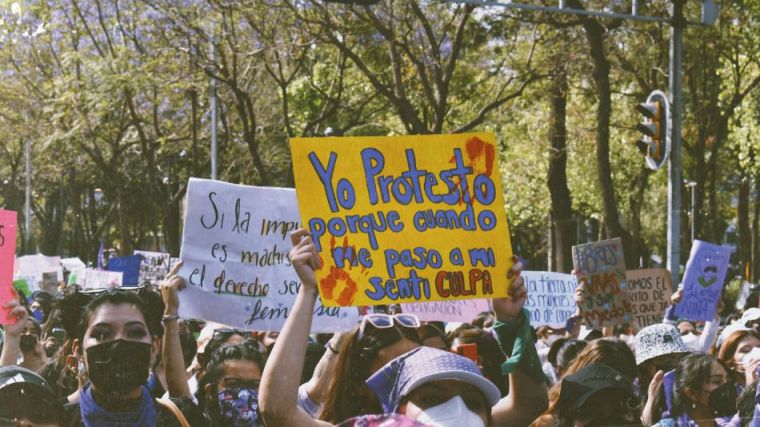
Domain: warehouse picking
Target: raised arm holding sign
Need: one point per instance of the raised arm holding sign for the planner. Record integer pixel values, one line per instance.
(404, 219)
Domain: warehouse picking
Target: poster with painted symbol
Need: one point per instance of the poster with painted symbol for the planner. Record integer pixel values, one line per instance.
(154, 266)
(650, 292)
(551, 297)
(703, 281)
(404, 219)
(600, 267)
(235, 259)
(8, 226)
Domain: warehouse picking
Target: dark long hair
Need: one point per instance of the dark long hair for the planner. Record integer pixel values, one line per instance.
(247, 350)
(347, 394)
(692, 371)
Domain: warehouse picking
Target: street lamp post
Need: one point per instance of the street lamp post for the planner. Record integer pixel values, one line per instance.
(692, 219)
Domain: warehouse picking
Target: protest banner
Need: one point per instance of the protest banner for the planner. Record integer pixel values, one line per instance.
(154, 266)
(235, 259)
(36, 265)
(73, 264)
(100, 279)
(404, 219)
(551, 297)
(650, 292)
(8, 226)
(600, 267)
(447, 311)
(129, 266)
(703, 281)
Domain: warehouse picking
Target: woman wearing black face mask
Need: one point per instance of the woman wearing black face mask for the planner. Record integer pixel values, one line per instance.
(22, 338)
(116, 343)
(699, 392)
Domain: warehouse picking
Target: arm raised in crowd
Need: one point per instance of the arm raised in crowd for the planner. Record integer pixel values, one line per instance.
(12, 343)
(176, 375)
(279, 384)
(528, 396)
(317, 386)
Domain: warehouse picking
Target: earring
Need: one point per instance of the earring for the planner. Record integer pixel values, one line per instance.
(694, 405)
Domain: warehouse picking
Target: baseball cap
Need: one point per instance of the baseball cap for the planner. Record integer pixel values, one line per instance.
(658, 340)
(423, 365)
(580, 386)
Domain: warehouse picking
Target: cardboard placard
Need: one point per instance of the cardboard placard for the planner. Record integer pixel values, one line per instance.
(703, 281)
(154, 266)
(447, 311)
(8, 225)
(650, 292)
(235, 258)
(129, 266)
(404, 219)
(551, 297)
(600, 267)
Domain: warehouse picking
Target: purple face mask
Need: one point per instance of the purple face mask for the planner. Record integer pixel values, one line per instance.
(240, 406)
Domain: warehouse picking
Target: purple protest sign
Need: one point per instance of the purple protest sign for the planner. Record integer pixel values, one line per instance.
(703, 281)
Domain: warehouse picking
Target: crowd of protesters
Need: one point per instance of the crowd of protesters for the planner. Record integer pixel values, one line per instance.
(123, 357)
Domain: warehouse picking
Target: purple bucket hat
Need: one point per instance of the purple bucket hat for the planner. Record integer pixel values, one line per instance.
(423, 365)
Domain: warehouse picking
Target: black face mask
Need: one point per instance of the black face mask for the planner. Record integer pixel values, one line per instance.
(28, 343)
(118, 367)
(723, 400)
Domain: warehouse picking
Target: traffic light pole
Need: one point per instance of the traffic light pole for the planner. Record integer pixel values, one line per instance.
(674, 183)
(677, 24)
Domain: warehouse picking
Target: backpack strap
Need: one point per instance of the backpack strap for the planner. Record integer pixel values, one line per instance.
(172, 407)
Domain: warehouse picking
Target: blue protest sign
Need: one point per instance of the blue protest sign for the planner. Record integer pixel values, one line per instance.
(703, 281)
(130, 266)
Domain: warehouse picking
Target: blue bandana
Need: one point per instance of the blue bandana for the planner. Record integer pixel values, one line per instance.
(93, 415)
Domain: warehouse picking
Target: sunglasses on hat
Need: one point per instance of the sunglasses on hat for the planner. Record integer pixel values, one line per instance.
(387, 321)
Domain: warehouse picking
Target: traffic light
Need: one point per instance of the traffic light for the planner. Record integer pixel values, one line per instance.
(655, 143)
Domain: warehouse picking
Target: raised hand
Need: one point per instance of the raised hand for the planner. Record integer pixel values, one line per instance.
(304, 257)
(510, 308)
(18, 312)
(170, 288)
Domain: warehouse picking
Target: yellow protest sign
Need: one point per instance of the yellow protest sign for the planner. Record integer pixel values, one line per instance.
(404, 219)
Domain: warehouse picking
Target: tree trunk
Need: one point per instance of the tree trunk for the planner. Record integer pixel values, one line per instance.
(563, 225)
(756, 234)
(595, 34)
(744, 246)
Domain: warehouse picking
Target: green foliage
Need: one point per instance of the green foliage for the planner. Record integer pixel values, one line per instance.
(114, 95)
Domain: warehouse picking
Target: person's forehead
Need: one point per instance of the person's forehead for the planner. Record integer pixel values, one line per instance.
(749, 339)
(117, 314)
(245, 370)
